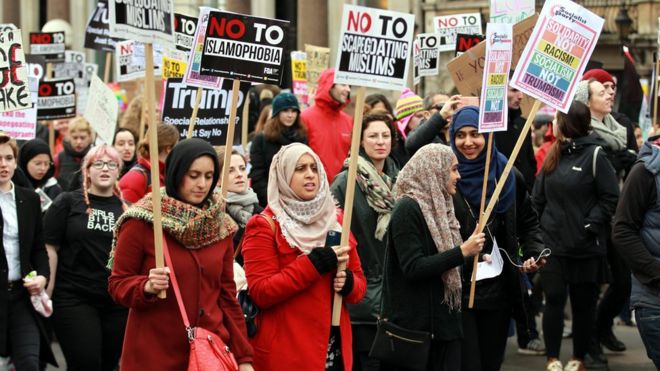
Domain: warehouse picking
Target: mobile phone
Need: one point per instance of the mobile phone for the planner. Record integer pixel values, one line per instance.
(333, 238)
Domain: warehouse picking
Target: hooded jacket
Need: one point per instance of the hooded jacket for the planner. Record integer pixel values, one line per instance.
(67, 163)
(575, 208)
(328, 127)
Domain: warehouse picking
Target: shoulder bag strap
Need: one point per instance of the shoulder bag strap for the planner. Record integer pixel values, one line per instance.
(269, 219)
(175, 285)
(593, 165)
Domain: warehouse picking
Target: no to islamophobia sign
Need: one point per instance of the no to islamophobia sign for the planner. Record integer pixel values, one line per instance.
(244, 48)
(374, 46)
(557, 53)
(493, 102)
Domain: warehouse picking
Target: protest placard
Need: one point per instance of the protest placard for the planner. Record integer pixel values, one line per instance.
(130, 64)
(57, 99)
(557, 53)
(428, 43)
(493, 103)
(193, 77)
(173, 68)
(36, 66)
(102, 110)
(14, 91)
(97, 33)
(374, 46)
(467, 70)
(184, 31)
(417, 61)
(318, 59)
(245, 48)
(448, 26)
(299, 73)
(48, 44)
(21, 124)
(143, 21)
(5, 27)
(510, 11)
(465, 42)
(214, 109)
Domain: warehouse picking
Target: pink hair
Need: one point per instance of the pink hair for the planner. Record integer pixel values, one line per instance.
(94, 154)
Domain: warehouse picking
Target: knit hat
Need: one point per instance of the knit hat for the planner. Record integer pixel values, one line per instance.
(582, 92)
(408, 104)
(599, 75)
(283, 101)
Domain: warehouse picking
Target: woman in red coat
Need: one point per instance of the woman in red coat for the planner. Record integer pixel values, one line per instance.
(293, 277)
(199, 236)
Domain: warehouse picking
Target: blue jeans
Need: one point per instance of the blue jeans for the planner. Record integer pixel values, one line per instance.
(648, 323)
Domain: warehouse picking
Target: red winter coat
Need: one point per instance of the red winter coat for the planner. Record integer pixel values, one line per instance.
(295, 302)
(328, 127)
(155, 337)
(133, 185)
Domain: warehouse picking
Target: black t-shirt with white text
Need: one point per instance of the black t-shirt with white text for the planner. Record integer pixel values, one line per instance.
(84, 242)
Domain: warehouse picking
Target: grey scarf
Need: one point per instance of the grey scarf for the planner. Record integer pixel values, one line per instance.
(240, 206)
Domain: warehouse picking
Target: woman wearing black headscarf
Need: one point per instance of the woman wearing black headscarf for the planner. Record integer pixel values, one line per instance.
(36, 162)
(513, 223)
(198, 234)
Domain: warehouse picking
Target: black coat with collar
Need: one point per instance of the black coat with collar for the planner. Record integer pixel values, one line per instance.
(32, 252)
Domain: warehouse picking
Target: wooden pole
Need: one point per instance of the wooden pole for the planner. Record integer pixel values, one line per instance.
(655, 96)
(484, 191)
(108, 64)
(512, 159)
(231, 125)
(49, 71)
(51, 136)
(193, 117)
(350, 192)
(244, 123)
(153, 158)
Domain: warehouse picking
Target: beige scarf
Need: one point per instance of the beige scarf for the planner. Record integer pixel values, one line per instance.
(304, 224)
(424, 179)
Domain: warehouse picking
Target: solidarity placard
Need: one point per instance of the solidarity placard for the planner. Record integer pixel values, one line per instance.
(193, 77)
(246, 48)
(14, 91)
(493, 103)
(147, 21)
(428, 44)
(510, 11)
(57, 99)
(448, 26)
(97, 34)
(557, 53)
(184, 31)
(49, 44)
(102, 109)
(130, 64)
(374, 46)
(214, 108)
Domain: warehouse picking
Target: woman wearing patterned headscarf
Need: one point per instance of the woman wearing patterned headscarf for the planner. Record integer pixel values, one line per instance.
(422, 283)
(198, 236)
(292, 273)
(513, 223)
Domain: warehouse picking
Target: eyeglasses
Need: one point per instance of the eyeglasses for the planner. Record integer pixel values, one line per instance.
(99, 165)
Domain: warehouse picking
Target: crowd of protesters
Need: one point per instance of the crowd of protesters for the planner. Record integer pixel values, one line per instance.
(579, 210)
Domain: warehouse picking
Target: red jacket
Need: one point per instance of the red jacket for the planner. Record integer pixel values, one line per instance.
(155, 337)
(295, 302)
(133, 185)
(328, 127)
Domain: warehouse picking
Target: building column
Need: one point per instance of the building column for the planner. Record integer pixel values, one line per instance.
(239, 6)
(29, 19)
(312, 23)
(10, 12)
(59, 9)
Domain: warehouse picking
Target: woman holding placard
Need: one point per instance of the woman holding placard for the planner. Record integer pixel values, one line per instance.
(575, 195)
(374, 199)
(291, 257)
(198, 236)
(513, 223)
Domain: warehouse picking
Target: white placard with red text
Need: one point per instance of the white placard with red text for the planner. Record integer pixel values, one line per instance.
(493, 103)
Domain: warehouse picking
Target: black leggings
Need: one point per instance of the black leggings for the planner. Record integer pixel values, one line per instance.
(617, 293)
(91, 336)
(583, 305)
(484, 338)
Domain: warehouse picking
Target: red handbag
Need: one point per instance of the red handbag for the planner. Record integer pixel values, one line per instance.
(207, 350)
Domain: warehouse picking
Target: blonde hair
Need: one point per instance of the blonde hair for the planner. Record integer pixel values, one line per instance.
(6, 139)
(80, 124)
(133, 114)
(168, 136)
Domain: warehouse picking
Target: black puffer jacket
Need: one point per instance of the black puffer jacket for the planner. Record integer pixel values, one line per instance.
(575, 207)
(428, 131)
(519, 226)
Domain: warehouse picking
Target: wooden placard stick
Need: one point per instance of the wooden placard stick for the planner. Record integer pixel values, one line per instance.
(350, 192)
(108, 64)
(244, 123)
(153, 158)
(484, 192)
(655, 96)
(193, 117)
(49, 71)
(51, 136)
(229, 143)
